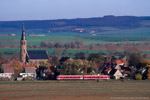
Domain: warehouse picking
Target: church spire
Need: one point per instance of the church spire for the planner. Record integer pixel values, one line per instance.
(23, 46)
(23, 37)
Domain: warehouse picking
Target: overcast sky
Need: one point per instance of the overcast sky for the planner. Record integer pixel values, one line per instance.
(60, 9)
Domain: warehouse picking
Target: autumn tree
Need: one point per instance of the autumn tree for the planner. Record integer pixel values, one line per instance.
(89, 67)
(54, 61)
(43, 44)
(80, 43)
(75, 67)
(73, 45)
(134, 59)
(111, 48)
(50, 44)
(58, 45)
(91, 46)
(17, 65)
(129, 49)
(44, 63)
(144, 63)
(138, 76)
(66, 68)
(96, 57)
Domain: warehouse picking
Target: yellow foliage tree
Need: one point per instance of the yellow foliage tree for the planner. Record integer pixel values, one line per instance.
(17, 65)
(44, 63)
(144, 63)
(138, 77)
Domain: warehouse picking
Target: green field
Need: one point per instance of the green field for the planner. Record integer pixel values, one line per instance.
(67, 37)
(100, 38)
(75, 90)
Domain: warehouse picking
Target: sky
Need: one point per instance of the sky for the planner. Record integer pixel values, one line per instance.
(69, 9)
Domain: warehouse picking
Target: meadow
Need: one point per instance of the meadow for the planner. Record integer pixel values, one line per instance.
(75, 90)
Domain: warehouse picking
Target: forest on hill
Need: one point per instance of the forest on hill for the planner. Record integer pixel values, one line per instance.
(80, 24)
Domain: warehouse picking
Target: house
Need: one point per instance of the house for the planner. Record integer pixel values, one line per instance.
(122, 62)
(118, 67)
(107, 71)
(116, 74)
(115, 68)
(8, 71)
(29, 71)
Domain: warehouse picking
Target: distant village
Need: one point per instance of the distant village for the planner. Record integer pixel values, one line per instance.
(38, 65)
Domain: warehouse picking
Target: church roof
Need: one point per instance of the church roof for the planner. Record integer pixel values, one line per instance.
(37, 54)
(23, 36)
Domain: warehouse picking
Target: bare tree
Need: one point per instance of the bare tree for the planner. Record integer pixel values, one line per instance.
(129, 48)
(111, 48)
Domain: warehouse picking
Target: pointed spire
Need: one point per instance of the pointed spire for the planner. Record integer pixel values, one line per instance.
(23, 27)
(23, 37)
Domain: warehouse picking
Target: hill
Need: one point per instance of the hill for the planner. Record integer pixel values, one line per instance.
(86, 25)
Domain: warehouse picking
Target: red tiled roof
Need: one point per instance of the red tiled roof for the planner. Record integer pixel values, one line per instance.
(4, 61)
(118, 62)
(8, 69)
(124, 61)
(107, 70)
(121, 61)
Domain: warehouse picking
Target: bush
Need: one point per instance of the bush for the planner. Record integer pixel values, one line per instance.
(28, 78)
(138, 77)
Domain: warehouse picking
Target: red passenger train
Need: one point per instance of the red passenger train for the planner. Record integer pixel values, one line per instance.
(82, 77)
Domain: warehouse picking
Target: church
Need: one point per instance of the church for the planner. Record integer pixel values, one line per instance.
(31, 57)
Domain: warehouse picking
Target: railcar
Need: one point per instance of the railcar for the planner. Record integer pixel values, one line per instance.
(82, 77)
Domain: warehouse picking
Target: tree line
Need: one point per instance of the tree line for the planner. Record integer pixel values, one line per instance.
(73, 44)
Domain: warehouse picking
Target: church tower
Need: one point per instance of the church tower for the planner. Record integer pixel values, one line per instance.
(23, 46)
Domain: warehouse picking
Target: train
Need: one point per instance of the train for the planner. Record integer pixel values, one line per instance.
(82, 77)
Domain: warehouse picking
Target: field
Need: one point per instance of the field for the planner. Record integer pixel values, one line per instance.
(67, 37)
(88, 38)
(75, 90)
